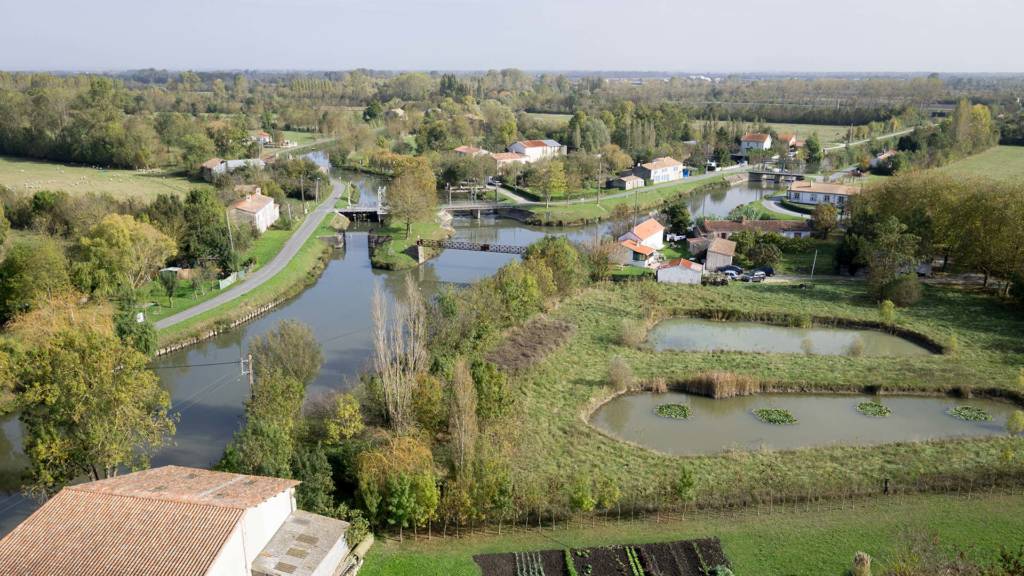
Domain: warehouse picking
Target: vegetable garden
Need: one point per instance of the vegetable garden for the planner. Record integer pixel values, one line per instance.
(682, 558)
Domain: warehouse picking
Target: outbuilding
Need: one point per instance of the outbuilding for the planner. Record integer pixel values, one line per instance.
(680, 271)
(720, 253)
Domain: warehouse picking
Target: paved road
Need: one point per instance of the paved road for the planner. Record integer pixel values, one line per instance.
(256, 279)
(774, 206)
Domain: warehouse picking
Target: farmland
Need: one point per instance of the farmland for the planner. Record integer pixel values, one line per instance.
(827, 133)
(22, 175)
(999, 162)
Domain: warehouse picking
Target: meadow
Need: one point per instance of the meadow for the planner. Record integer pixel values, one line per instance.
(24, 175)
(999, 162)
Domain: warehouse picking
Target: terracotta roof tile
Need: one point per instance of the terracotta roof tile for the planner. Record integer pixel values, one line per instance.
(664, 162)
(684, 263)
(722, 246)
(823, 188)
(212, 163)
(648, 228)
(755, 137)
(638, 248)
(253, 203)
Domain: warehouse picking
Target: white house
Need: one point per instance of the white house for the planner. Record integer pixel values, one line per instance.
(720, 253)
(680, 271)
(809, 192)
(535, 150)
(629, 253)
(263, 137)
(627, 182)
(506, 159)
(649, 233)
(176, 521)
(755, 141)
(256, 209)
(726, 228)
(470, 151)
(664, 169)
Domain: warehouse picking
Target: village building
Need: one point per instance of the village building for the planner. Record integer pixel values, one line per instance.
(256, 209)
(263, 137)
(659, 170)
(680, 271)
(811, 192)
(726, 228)
(719, 254)
(629, 253)
(649, 233)
(177, 521)
(214, 167)
(755, 141)
(787, 140)
(470, 151)
(395, 114)
(507, 159)
(535, 150)
(627, 182)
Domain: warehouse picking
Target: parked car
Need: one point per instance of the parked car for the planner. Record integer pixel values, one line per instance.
(730, 274)
(731, 268)
(758, 274)
(768, 270)
(751, 278)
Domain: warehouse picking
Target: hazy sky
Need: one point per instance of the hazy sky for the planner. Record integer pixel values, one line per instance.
(670, 35)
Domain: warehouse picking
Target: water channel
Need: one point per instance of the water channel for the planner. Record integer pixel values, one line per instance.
(694, 335)
(822, 420)
(205, 381)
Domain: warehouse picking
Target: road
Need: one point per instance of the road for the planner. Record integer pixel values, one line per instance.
(866, 140)
(774, 206)
(266, 272)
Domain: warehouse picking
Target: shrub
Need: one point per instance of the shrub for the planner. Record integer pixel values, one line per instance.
(721, 571)
(657, 385)
(887, 313)
(856, 348)
(677, 411)
(875, 409)
(970, 414)
(903, 291)
(775, 416)
(722, 385)
(861, 564)
(620, 375)
(1015, 423)
(632, 333)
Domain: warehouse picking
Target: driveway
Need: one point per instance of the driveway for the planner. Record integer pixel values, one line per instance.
(774, 206)
(268, 271)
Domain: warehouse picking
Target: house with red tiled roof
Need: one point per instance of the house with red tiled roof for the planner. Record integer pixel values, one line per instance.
(755, 141)
(263, 137)
(470, 151)
(788, 139)
(680, 271)
(665, 169)
(254, 208)
(535, 150)
(726, 228)
(649, 233)
(630, 253)
(176, 521)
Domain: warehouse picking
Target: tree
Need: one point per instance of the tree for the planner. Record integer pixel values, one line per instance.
(90, 407)
(397, 483)
(582, 495)
(552, 180)
(32, 269)
(684, 484)
(400, 354)
(290, 348)
(679, 219)
(138, 335)
(812, 147)
(316, 492)
(345, 419)
(1015, 423)
(169, 282)
(206, 233)
(824, 219)
(120, 252)
(764, 254)
(412, 196)
(892, 253)
(887, 313)
(462, 423)
(491, 390)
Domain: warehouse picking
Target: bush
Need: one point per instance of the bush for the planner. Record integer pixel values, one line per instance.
(722, 385)
(620, 375)
(861, 564)
(775, 416)
(904, 291)
(632, 333)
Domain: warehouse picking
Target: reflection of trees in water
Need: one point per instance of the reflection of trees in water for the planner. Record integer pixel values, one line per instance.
(424, 276)
(12, 460)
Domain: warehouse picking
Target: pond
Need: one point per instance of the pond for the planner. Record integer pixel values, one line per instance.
(822, 420)
(696, 335)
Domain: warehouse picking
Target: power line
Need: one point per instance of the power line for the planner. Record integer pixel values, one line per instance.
(169, 366)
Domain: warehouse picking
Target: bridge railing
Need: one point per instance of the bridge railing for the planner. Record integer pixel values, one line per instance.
(472, 246)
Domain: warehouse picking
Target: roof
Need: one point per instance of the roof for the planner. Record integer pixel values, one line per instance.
(715, 226)
(169, 521)
(664, 162)
(629, 178)
(683, 263)
(722, 246)
(470, 150)
(539, 144)
(755, 137)
(823, 188)
(638, 248)
(500, 156)
(647, 228)
(212, 163)
(300, 546)
(247, 189)
(253, 203)
(787, 137)
(244, 162)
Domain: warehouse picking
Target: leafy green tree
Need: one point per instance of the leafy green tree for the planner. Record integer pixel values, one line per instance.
(120, 252)
(32, 269)
(412, 196)
(345, 419)
(261, 447)
(373, 111)
(169, 282)
(493, 395)
(582, 495)
(139, 335)
(564, 261)
(684, 485)
(824, 219)
(813, 149)
(316, 493)
(1015, 423)
(291, 349)
(206, 233)
(892, 253)
(551, 180)
(679, 219)
(397, 483)
(887, 313)
(764, 254)
(90, 407)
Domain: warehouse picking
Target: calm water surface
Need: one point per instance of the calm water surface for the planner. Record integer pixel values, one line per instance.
(695, 335)
(823, 420)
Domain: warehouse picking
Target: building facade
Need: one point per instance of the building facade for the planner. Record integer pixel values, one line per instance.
(536, 150)
(808, 192)
(660, 170)
(256, 209)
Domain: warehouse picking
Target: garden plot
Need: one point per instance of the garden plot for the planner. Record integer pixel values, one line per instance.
(682, 558)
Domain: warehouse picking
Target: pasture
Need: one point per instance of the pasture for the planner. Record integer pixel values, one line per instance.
(999, 162)
(30, 176)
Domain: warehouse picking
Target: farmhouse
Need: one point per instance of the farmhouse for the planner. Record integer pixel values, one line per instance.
(664, 169)
(212, 168)
(177, 521)
(809, 192)
(627, 182)
(256, 209)
(755, 141)
(649, 233)
(680, 271)
(470, 151)
(535, 150)
(726, 228)
(787, 140)
(629, 253)
(506, 159)
(720, 253)
(263, 137)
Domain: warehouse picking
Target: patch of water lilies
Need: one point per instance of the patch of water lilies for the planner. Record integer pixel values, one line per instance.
(876, 409)
(970, 413)
(677, 411)
(775, 416)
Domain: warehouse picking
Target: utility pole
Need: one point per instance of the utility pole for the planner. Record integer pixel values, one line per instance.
(246, 365)
(227, 219)
(317, 191)
(302, 190)
(814, 262)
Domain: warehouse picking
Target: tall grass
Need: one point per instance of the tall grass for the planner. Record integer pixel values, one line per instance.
(720, 385)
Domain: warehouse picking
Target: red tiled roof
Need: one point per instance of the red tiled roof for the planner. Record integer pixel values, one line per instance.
(664, 162)
(715, 226)
(722, 246)
(470, 150)
(684, 263)
(499, 156)
(823, 188)
(648, 228)
(755, 137)
(534, 143)
(638, 248)
(253, 203)
(212, 163)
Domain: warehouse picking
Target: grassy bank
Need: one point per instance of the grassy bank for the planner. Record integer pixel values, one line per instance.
(394, 255)
(555, 396)
(24, 175)
(590, 211)
(999, 162)
(301, 271)
(792, 541)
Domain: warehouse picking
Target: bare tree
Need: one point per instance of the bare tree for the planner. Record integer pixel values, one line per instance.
(462, 424)
(399, 351)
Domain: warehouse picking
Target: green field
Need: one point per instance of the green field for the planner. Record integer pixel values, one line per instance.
(1000, 162)
(23, 175)
(827, 133)
(591, 211)
(789, 542)
(552, 121)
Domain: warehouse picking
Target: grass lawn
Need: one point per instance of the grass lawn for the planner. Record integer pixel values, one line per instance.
(790, 542)
(552, 120)
(24, 175)
(632, 271)
(553, 441)
(764, 213)
(304, 268)
(802, 262)
(1000, 162)
(591, 211)
(392, 256)
(828, 134)
(673, 251)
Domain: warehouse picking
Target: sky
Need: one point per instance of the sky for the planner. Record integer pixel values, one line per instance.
(642, 35)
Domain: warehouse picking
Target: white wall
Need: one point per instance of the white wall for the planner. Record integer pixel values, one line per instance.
(679, 275)
(259, 524)
(231, 559)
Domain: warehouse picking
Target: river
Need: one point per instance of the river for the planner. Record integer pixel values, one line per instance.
(205, 381)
